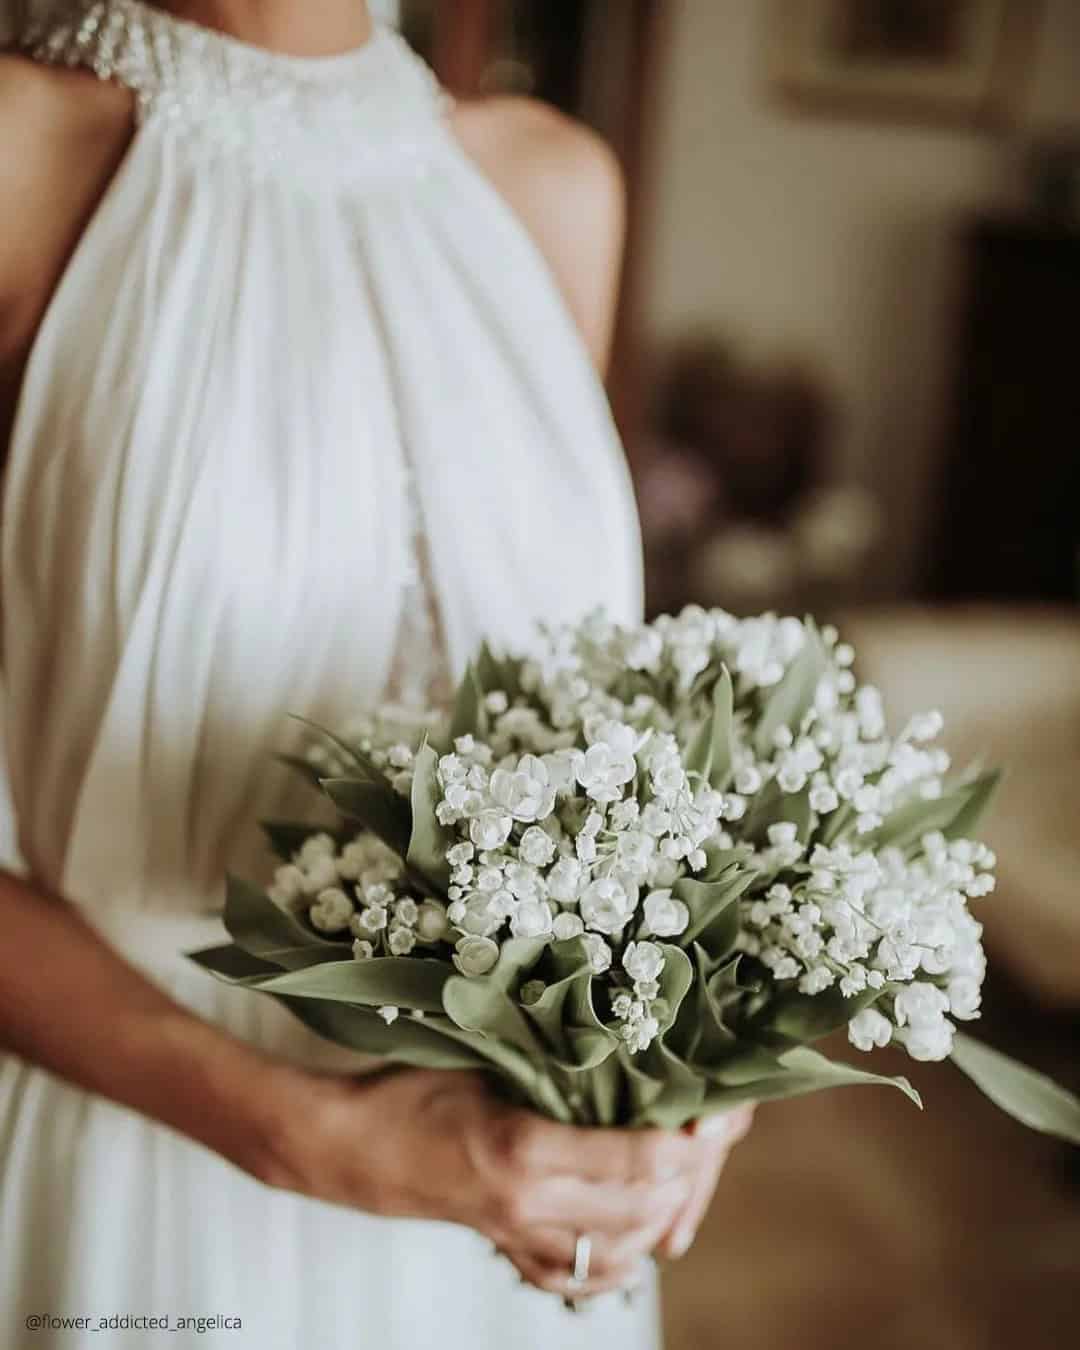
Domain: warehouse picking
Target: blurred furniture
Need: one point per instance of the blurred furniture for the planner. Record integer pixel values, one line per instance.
(1008, 683)
(741, 505)
(1010, 518)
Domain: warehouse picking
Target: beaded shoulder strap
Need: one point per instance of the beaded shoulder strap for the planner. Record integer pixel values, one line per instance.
(375, 111)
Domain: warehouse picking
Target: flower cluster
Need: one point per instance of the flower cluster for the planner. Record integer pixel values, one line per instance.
(579, 803)
(360, 890)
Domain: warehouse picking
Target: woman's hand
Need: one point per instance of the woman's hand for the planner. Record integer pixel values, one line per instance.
(717, 1136)
(439, 1145)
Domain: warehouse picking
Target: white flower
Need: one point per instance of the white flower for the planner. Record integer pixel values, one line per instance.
(481, 916)
(532, 918)
(599, 953)
(748, 780)
(522, 881)
(643, 960)
(402, 941)
(925, 726)
(666, 916)
(526, 792)
(332, 911)
(532, 991)
(476, 955)
(362, 951)
(406, 911)
(316, 847)
(370, 921)
(320, 874)
(868, 1029)
(605, 905)
(389, 1013)
(921, 1004)
(823, 799)
(930, 1041)
(537, 847)
(490, 829)
(567, 926)
(564, 881)
(965, 995)
(655, 820)
(602, 772)
(432, 921)
(645, 649)
(634, 849)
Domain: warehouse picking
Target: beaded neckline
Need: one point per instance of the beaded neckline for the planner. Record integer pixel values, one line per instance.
(350, 113)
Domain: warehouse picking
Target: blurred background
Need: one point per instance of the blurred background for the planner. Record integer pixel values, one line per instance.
(847, 372)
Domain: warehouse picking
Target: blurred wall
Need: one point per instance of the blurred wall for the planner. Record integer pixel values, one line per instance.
(829, 236)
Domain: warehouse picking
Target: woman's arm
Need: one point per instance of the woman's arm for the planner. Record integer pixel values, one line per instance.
(434, 1145)
(69, 1004)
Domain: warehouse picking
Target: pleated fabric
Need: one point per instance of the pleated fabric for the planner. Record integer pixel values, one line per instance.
(296, 290)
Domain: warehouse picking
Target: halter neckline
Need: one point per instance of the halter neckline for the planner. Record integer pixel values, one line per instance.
(372, 108)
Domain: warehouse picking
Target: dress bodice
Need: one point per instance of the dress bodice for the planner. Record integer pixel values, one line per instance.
(305, 418)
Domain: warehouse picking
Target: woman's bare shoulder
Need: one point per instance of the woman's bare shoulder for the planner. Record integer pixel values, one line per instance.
(565, 183)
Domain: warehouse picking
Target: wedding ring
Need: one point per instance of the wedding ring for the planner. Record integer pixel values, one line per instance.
(582, 1256)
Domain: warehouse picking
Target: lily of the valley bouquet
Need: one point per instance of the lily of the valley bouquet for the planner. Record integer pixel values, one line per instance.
(635, 874)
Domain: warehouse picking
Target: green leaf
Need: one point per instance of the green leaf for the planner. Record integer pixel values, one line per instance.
(710, 752)
(772, 805)
(793, 697)
(404, 982)
(421, 1044)
(795, 1018)
(714, 914)
(428, 839)
(1026, 1095)
(379, 808)
(263, 930)
(801, 1070)
(664, 1091)
(675, 980)
(980, 792)
(481, 1004)
(352, 755)
(955, 813)
(469, 716)
(517, 957)
(495, 673)
(232, 964)
(301, 766)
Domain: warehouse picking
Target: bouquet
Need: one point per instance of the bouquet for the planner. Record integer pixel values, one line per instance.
(635, 874)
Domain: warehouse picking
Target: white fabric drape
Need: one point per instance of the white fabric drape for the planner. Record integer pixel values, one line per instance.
(202, 532)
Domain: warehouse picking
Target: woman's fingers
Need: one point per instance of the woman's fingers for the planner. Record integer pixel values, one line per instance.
(610, 1257)
(531, 1144)
(608, 1210)
(558, 1279)
(717, 1136)
(679, 1236)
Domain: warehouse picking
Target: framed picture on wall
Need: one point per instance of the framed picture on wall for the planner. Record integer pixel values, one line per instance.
(949, 61)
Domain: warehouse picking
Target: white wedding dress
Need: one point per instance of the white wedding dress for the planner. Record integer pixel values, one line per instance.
(297, 297)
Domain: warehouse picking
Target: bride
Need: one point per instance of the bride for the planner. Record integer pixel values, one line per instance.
(298, 392)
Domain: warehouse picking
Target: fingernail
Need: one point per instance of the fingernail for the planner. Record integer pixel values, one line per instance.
(680, 1242)
(725, 1125)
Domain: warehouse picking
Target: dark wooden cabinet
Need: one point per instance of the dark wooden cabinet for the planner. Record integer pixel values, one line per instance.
(1010, 511)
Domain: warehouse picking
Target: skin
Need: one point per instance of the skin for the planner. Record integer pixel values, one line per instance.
(456, 1151)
